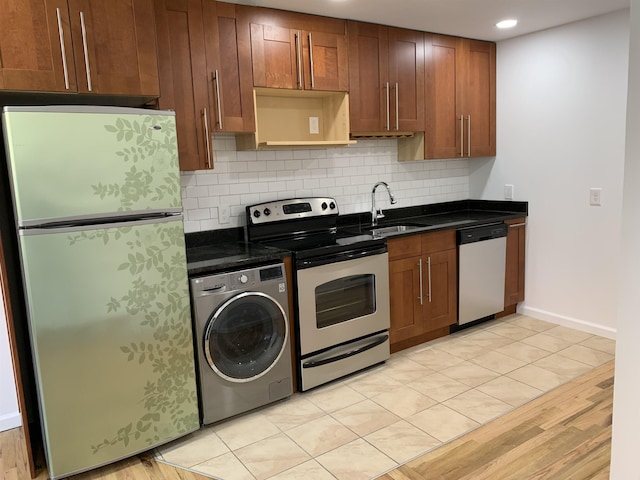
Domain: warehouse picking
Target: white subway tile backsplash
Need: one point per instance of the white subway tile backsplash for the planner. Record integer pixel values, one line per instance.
(242, 178)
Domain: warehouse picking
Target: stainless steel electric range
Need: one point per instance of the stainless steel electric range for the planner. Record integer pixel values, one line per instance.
(341, 287)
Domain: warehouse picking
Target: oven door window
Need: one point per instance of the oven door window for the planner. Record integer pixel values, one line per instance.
(344, 299)
(245, 336)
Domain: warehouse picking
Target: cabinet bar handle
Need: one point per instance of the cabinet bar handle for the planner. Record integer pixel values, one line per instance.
(429, 276)
(216, 83)
(513, 225)
(206, 137)
(387, 88)
(397, 108)
(86, 51)
(462, 135)
(420, 266)
(63, 50)
(299, 59)
(313, 80)
(469, 136)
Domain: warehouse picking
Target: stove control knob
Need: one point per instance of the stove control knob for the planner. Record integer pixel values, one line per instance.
(256, 213)
(243, 279)
(332, 205)
(324, 205)
(267, 212)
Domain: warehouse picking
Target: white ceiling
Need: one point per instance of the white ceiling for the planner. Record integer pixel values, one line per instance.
(465, 18)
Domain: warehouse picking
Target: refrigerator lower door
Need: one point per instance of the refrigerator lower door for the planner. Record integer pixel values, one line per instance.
(110, 326)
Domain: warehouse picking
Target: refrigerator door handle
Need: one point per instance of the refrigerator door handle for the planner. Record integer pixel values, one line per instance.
(97, 226)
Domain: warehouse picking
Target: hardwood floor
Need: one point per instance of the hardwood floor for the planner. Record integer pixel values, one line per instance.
(564, 434)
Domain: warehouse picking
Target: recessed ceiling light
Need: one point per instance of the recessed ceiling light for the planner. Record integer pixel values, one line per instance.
(507, 23)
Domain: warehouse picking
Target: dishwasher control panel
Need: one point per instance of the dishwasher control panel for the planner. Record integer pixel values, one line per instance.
(480, 233)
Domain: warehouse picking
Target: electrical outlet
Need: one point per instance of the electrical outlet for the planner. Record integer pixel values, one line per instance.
(223, 214)
(314, 125)
(508, 192)
(595, 197)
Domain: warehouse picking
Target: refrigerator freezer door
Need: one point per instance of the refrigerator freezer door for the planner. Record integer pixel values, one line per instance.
(66, 166)
(111, 334)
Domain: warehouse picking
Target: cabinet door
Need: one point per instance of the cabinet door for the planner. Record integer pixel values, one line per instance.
(36, 53)
(440, 270)
(406, 76)
(444, 97)
(183, 78)
(229, 72)
(480, 98)
(514, 274)
(325, 61)
(114, 47)
(275, 53)
(369, 91)
(406, 309)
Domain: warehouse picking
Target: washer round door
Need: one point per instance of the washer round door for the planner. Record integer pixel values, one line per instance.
(245, 336)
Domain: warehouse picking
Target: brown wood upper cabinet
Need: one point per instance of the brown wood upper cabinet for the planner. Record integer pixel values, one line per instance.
(85, 46)
(201, 75)
(461, 98)
(386, 78)
(295, 51)
(228, 72)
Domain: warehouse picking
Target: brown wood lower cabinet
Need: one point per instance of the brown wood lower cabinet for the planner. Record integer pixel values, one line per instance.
(423, 287)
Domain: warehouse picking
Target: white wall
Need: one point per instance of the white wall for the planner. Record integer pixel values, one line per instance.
(9, 414)
(348, 174)
(561, 102)
(626, 396)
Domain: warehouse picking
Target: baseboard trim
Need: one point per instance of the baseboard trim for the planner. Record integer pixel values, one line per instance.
(9, 421)
(581, 325)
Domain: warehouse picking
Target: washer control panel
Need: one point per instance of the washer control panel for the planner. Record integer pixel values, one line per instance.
(241, 279)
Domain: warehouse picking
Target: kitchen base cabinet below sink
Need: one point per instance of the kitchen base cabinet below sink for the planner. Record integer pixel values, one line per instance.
(423, 287)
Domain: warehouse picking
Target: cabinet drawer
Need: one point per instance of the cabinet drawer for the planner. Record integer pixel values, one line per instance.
(438, 241)
(409, 246)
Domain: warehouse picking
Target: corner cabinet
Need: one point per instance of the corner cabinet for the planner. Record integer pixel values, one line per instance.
(514, 274)
(296, 51)
(460, 98)
(386, 79)
(78, 46)
(423, 283)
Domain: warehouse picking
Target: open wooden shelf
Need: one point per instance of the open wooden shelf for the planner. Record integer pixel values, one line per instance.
(283, 120)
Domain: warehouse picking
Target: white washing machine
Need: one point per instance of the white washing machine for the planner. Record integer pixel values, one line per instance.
(241, 321)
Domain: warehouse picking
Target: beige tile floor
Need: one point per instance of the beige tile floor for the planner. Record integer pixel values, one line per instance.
(366, 424)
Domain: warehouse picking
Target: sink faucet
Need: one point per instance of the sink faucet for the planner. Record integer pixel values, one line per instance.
(377, 213)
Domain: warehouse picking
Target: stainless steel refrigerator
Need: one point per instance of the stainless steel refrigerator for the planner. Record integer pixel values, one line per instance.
(96, 197)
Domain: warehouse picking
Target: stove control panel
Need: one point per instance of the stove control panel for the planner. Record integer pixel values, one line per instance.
(291, 209)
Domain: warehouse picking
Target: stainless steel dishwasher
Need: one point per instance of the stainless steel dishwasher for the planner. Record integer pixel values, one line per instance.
(481, 268)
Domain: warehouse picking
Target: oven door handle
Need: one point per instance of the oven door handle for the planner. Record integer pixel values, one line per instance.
(364, 348)
(341, 257)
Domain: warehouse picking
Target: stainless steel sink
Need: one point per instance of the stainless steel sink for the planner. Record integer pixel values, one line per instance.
(387, 230)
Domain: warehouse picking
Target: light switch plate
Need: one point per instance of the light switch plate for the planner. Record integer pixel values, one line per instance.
(595, 197)
(314, 125)
(508, 192)
(223, 214)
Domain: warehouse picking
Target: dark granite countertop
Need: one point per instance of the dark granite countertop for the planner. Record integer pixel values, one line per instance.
(222, 250)
(434, 217)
